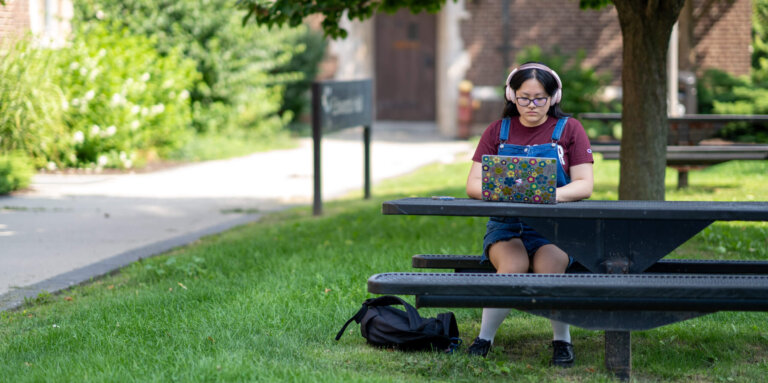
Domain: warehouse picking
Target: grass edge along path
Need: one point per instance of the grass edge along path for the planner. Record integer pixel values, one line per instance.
(263, 302)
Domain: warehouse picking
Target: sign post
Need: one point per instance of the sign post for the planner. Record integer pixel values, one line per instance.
(337, 105)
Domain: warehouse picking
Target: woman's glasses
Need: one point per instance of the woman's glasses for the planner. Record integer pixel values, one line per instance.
(524, 101)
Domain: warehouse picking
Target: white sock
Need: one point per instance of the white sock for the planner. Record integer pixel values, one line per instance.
(561, 331)
(492, 319)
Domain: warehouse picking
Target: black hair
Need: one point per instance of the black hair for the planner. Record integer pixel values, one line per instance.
(546, 79)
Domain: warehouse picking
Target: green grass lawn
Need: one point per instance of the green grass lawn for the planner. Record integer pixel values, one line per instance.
(263, 302)
(206, 147)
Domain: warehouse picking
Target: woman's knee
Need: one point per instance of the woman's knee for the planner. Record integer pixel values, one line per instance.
(550, 259)
(509, 256)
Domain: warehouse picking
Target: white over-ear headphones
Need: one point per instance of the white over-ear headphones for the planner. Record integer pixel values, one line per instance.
(509, 93)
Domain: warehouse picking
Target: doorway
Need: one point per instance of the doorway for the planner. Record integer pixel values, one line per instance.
(405, 66)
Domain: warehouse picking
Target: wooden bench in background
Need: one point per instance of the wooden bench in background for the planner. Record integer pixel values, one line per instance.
(685, 151)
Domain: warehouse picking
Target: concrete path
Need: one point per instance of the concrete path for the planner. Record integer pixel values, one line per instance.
(70, 228)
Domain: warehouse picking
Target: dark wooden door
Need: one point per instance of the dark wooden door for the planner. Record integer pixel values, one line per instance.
(405, 66)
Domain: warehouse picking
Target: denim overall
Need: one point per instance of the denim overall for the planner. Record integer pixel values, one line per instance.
(545, 150)
(499, 228)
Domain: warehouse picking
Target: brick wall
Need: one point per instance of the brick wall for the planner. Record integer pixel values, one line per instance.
(721, 37)
(560, 24)
(20, 17)
(14, 18)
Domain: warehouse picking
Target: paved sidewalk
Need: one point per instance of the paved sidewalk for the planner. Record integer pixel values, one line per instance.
(70, 228)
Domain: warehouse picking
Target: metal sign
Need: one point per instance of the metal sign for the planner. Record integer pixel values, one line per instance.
(343, 104)
(337, 105)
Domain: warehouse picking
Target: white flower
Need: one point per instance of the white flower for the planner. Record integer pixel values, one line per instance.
(134, 125)
(157, 109)
(111, 130)
(117, 99)
(145, 77)
(83, 71)
(184, 94)
(75, 101)
(74, 65)
(127, 164)
(64, 104)
(51, 166)
(55, 325)
(89, 95)
(144, 111)
(103, 160)
(135, 109)
(78, 137)
(95, 72)
(95, 130)
(122, 156)
(100, 15)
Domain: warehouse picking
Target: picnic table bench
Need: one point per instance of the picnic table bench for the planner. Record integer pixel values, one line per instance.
(685, 151)
(620, 282)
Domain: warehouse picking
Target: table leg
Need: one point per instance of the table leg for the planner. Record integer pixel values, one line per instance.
(682, 179)
(618, 353)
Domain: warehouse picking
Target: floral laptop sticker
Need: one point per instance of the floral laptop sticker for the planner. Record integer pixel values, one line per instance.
(519, 179)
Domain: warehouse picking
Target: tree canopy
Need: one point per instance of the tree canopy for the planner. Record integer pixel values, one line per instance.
(293, 12)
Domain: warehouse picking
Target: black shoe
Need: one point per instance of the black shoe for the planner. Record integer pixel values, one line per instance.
(479, 347)
(562, 354)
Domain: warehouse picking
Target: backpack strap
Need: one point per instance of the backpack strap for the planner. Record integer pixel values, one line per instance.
(357, 318)
(504, 132)
(414, 319)
(559, 128)
(413, 315)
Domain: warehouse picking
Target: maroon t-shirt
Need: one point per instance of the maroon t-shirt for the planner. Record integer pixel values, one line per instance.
(574, 147)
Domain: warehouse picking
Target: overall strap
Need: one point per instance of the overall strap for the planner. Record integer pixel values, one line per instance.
(559, 129)
(504, 132)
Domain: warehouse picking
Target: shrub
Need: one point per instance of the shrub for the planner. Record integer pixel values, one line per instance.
(16, 171)
(310, 50)
(239, 88)
(32, 106)
(760, 43)
(107, 99)
(722, 93)
(125, 101)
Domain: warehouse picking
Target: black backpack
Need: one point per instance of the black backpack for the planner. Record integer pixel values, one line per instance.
(385, 326)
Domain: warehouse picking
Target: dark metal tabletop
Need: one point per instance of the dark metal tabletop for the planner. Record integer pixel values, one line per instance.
(592, 209)
(604, 236)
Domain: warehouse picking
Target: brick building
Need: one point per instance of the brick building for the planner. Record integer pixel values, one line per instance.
(47, 20)
(419, 60)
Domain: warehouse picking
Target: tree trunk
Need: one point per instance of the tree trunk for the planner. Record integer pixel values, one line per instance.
(685, 25)
(645, 27)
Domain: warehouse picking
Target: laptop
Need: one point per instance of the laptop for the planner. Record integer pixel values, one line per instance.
(519, 179)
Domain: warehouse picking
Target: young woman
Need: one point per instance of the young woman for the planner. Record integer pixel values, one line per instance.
(534, 125)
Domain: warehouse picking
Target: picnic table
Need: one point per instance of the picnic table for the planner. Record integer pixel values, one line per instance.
(623, 285)
(689, 129)
(685, 150)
